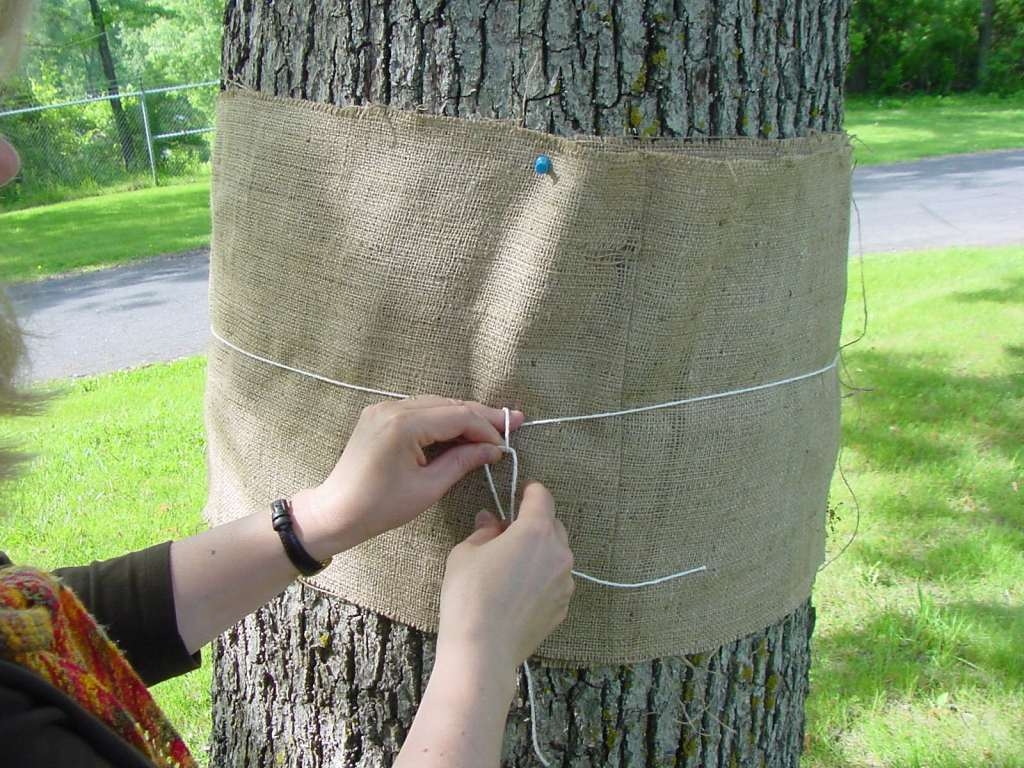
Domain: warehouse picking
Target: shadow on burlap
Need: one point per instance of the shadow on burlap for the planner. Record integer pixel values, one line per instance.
(421, 254)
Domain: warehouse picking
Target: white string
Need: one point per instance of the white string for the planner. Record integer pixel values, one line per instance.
(531, 695)
(301, 372)
(533, 717)
(686, 400)
(507, 447)
(537, 422)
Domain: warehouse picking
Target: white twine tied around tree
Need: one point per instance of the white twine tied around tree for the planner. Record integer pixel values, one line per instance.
(508, 449)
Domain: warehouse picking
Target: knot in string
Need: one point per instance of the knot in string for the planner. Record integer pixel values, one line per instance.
(506, 448)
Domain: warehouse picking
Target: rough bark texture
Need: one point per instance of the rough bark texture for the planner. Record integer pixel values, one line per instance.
(314, 681)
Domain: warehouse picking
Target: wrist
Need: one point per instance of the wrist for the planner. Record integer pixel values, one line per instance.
(322, 533)
(482, 670)
(477, 656)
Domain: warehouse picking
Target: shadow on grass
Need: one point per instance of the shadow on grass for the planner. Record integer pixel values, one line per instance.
(938, 435)
(919, 413)
(927, 648)
(1011, 293)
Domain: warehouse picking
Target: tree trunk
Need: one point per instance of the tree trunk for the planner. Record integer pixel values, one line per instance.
(988, 10)
(124, 132)
(314, 681)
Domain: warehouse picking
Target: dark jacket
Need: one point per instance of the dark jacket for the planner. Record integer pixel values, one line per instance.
(132, 598)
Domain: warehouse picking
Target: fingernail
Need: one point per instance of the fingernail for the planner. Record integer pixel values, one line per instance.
(481, 518)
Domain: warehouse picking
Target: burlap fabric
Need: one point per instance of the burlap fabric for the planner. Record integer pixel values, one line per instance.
(421, 254)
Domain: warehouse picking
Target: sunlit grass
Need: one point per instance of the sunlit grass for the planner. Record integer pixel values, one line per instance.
(103, 231)
(889, 130)
(119, 465)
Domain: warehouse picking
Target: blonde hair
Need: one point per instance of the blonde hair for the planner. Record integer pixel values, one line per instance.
(13, 400)
(14, 15)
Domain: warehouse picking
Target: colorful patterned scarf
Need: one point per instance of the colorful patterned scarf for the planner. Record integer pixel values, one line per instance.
(45, 628)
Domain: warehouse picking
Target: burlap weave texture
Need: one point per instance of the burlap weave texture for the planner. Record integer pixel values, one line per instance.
(421, 254)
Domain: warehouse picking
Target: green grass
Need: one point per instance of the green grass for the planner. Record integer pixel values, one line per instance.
(119, 466)
(103, 231)
(890, 130)
(918, 652)
(918, 645)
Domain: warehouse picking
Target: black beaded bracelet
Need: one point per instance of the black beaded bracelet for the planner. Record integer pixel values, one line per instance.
(281, 519)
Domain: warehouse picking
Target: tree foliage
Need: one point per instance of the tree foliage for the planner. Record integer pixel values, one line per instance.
(933, 46)
(152, 43)
(88, 147)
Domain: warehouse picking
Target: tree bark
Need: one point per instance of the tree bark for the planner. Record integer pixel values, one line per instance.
(314, 681)
(124, 132)
(988, 10)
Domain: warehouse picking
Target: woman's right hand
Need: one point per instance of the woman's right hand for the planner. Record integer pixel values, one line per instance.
(506, 587)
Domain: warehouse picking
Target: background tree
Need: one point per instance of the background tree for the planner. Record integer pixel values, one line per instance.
(124, 130)
(312, 680)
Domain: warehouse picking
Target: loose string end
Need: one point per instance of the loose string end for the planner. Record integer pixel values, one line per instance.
(533, 717)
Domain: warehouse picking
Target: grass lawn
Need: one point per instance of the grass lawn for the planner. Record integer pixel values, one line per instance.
(918, 646)
(890, 130)
(918, 653)
(102, 231)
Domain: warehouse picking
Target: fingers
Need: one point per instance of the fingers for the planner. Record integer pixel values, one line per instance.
(445, 423)
(537, 503)
(458, 461)
(495, 416)
(538, 508)
(9, 162)
(484, 518)
(563, 535)
(487, 527)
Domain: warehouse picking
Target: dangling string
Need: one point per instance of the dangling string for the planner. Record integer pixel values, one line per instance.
(533, 717)
(506, 448)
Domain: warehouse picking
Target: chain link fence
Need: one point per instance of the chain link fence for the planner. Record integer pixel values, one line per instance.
(138, 137)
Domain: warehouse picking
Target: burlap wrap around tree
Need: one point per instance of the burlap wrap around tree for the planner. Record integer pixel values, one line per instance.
(421, 254)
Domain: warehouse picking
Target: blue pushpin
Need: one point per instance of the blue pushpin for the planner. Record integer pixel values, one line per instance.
(542, 165)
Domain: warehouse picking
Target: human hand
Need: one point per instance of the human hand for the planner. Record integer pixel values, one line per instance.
(384, 478)
(506, 588)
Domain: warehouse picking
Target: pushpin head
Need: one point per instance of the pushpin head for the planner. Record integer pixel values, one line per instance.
(542, 164)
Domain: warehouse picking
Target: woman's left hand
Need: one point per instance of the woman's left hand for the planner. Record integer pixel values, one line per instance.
(384, 477)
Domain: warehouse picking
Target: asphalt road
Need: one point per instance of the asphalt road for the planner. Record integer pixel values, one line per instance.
(157, 310)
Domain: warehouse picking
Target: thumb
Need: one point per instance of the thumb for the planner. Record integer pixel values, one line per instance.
(485, 528)
(459, 460)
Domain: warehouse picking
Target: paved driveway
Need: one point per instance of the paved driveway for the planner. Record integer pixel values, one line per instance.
(117, 318)
(157, 310)
(957, 200)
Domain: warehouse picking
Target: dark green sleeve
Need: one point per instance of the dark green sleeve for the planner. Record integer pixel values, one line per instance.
(132, 597)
